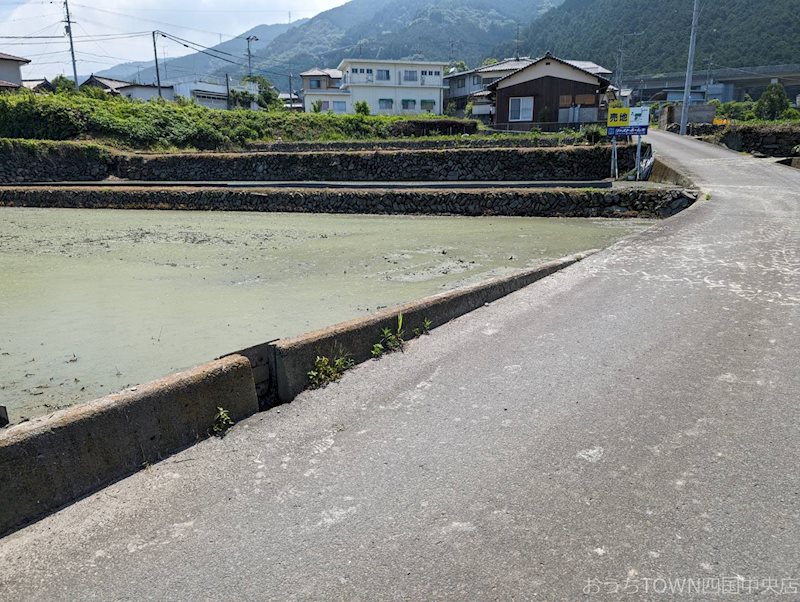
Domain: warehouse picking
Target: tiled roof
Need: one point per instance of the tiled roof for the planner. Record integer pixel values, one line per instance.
(548, 56)
(332, 73)
(11, 57)
(5, 84)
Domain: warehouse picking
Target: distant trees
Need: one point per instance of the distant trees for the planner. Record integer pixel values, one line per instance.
(267, 94)
(63, 84)
(490, 61)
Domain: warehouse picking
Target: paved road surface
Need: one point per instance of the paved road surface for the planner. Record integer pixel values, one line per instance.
(635, 416)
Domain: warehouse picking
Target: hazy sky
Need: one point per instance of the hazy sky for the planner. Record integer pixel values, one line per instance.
(100, 28)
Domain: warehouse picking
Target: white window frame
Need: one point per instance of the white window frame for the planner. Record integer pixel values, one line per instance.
(389, 101)
(522, 115)
(410, 75)
(384, 72)
(343, 106)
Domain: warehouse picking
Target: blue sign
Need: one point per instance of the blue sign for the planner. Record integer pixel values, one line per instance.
(628, 130)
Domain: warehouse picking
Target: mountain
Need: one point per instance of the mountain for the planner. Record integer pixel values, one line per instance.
(396, 29)
(199, 63)
(735, 33)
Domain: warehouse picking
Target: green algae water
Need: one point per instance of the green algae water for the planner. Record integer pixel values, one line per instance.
(95, 301)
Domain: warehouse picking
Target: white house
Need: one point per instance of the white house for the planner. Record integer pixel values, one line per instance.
(394, 87)
(11, 71)
(324, 86)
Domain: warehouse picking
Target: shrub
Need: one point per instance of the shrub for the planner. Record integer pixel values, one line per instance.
(361, 107)
(790, 114)
(773, 102)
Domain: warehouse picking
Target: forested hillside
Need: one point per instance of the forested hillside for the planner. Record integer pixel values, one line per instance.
(733, 33)
(466, 30)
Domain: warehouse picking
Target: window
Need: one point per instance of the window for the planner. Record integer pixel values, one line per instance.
(424, 73)
(409, 76)
(386, 104)
(369, 71)
(428, 105)
(437, 72)
(315, 83)
(462, 82)
(565, 100)
(476, 80)
(339, 106)
(409, 105)
(520, 109)
(585, 99)
(326, 105)
(361, 71)
(384, 75)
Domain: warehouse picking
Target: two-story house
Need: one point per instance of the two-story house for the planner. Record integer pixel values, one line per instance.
(470, 86)
(323, 88)
(10, 71)
(394, 87)
(550, 91)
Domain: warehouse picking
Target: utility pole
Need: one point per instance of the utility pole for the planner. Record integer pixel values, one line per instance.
(687, 90)
(291, 92)
(158, 73)
(250, 39)
(68, 27)
(228, 90)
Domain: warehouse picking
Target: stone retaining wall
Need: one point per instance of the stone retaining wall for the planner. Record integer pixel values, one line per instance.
(40, 161)
(628, 202)
(777, 140)
(31, 161)
(413, 144)
(574, 163)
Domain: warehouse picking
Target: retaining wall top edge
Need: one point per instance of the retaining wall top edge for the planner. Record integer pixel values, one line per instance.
(285, 345)
(130, 397)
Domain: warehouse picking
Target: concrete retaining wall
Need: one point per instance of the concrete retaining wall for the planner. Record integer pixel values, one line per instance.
(626, 202)
(295, 357)
(54, 460)
(666, 174)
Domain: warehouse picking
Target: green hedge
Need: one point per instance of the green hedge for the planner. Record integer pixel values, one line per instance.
(158, 124)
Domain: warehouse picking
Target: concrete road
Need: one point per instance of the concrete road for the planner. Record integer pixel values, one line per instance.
(631, 420)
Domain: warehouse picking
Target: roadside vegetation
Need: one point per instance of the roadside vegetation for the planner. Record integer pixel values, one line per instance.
(159, 125)
(92, 115)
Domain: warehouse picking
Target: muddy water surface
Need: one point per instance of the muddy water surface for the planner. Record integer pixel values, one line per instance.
(94, 301)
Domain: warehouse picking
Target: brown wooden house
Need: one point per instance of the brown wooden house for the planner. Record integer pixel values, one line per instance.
(549, 90)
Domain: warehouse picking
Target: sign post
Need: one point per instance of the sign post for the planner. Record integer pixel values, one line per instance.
(627, 122)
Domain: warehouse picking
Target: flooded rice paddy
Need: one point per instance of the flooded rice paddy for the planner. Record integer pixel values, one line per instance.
(94, 301)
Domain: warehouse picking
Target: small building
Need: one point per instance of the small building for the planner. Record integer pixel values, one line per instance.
(291, 102)
(38, 85)
(549, 90)
(132, 90)
(214, 95)
(394, 87)
(11, 71)
(324, 86)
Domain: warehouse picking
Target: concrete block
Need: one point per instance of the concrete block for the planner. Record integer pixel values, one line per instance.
(56, 459)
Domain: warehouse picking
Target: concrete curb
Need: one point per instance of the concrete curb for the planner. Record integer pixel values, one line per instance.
(294, 357)
(56, 459)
